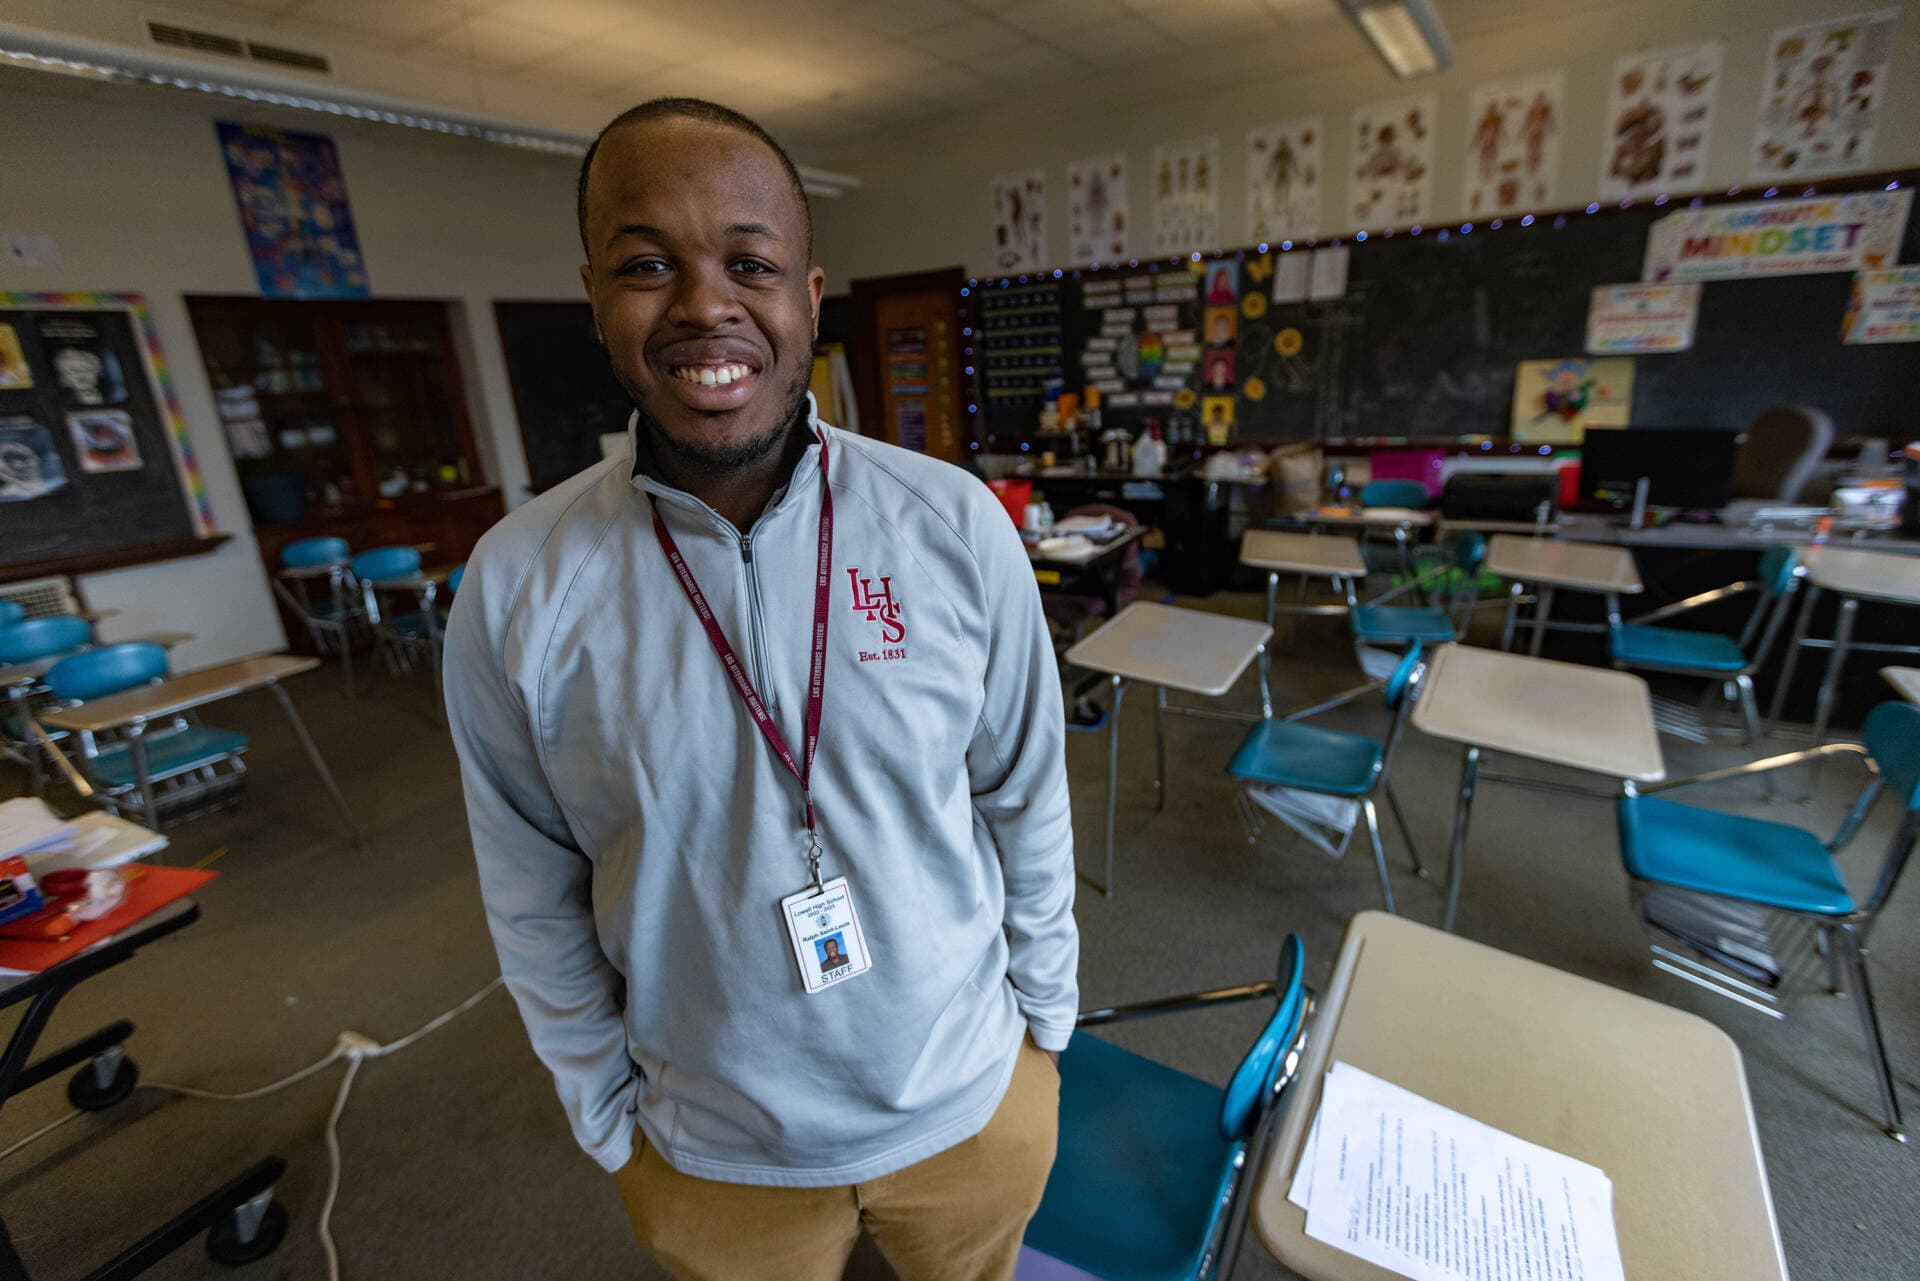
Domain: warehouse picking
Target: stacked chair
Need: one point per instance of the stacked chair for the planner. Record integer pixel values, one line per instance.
(26, 640)
(320, 594)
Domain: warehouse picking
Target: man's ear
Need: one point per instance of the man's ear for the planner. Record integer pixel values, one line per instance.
(816, 286)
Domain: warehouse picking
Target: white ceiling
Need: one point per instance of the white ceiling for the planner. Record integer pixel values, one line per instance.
(815, 72)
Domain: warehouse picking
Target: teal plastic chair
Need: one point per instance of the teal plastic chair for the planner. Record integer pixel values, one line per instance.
(180, 766)
(1394, 493)
(1690, 865)
(1155, 1168)
(1454, 584)
(27, 640)
(1717, 657)
(322, 602)
(11, 612)
(403, 618)
(1282, 758)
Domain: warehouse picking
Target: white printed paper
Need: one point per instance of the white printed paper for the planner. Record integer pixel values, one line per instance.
(1513, 144)
(1097, 208)
(1186, 195)
(1884, 306)
(1642, 318)
(1020, 221)
(1424, 1191)
(1291, 273)
(1330, 273)
(1283, 180)
(1391, 183)
(1659, 121)
(1824, 85)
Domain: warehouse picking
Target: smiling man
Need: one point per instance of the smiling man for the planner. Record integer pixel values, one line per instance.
(751, 685)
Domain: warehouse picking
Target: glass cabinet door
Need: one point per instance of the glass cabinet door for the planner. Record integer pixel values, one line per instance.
(400, 380)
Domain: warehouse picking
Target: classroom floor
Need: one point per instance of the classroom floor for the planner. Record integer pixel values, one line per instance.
(458, 1161)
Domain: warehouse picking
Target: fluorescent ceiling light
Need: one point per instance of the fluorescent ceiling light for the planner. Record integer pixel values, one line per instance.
(117, 64)
(1407, 34)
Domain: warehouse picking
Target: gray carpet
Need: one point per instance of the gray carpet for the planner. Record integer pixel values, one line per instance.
(458, 1162)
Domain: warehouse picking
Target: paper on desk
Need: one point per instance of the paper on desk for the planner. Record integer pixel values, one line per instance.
(26, 825)
(1424, 1191)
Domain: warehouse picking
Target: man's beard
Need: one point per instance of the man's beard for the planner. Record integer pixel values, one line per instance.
(713, 457)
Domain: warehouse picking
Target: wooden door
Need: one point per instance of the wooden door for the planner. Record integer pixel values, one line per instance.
(908, 354)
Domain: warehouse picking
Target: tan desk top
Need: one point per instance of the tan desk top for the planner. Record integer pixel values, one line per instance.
(1905, 681)
(1384, 517)
(34, 669)
(1590, 718)
(1185, 649)
(180, 693)
(1655, 1097)
(1875, 575)
(1593, 567)
(1324, 555)
(298, 572)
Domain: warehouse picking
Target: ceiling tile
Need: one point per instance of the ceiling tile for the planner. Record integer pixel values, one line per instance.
(963, 40)
(1060, 15)
(1296, 11)
(380, 23)
(1196, 23)
(1122, 39)
(952, 85)
(595, 68)
(671, 38)
(500, 43)
(1024, 64)
(903, 17)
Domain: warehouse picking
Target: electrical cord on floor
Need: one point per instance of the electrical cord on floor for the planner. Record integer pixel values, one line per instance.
(353, 1047)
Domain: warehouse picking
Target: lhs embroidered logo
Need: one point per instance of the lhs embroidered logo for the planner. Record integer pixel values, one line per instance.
(879, 607)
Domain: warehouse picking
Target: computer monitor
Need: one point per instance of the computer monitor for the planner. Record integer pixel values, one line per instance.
(1684, 467)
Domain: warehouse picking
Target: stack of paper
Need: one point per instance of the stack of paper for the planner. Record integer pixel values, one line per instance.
(1421, 1190)
(1097, 529)
(27, 826)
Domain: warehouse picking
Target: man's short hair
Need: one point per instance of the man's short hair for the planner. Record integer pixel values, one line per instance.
(693, 109)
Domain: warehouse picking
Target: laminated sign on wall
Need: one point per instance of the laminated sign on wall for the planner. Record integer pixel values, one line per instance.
(1823, 88)
(1779, 237)
(1642, 318)
(1884, 307)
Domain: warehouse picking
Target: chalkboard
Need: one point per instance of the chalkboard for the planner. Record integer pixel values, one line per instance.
(563, 389)
(92, 455)
(1426, 338)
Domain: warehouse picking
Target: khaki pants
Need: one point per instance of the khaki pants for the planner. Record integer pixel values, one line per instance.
(956, 1216)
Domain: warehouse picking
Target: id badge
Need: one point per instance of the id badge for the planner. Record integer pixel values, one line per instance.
(826, 936)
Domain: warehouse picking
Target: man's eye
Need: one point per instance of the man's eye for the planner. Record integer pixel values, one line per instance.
(753, 267)
(643, 266)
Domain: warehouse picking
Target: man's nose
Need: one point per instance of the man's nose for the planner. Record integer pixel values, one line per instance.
(705, 299)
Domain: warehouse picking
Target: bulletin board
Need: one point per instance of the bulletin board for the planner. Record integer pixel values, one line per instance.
(94, 456)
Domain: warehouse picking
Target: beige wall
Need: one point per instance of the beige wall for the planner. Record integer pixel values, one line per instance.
(131, 186)
(925, 202)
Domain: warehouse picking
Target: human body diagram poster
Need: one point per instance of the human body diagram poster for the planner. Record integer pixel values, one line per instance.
(1391, 182)
(1821, 94)
(1513, 144)
(1659, 121)
(1283, 180)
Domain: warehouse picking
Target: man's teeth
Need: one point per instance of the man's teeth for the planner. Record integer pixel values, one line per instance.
(712, 375)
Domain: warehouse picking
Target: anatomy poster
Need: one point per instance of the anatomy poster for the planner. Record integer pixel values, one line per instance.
(1822, 90)
(1020, 220)
(1659, 120)
(1513, 144)
(1186, 195)
(1283, 180)
(1097, 208)
(1392, 177)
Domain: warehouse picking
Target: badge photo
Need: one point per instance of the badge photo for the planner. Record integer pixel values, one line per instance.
(825, 932)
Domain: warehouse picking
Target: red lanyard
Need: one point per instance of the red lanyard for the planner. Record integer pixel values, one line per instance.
(736, 670)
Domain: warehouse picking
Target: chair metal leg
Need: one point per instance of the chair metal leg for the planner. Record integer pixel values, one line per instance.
(1750, 709)
(1159, 747)
(1406, 833)
(1457, 854)
(1836, 981)
(319, 762)
(1512, 616)
(1856, 962)
(1793, 655)
(346, 654)
(1266, 694)
(1613, 609)
(143, 778)
(1273, 586)
(1542, 609)
(1830, 686)
(1379, 855)
(1113, 775)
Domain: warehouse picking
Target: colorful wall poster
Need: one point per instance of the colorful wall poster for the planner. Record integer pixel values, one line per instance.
(1555, 401)
(1884, 307)
(1659, 120)
(15, 374)
(29, 464)
(1020, 220)
(1642, 318)
(1186, 195)
(103, 440)
(1860, 232)
(1097, 208)
(1283, 180)
(1824, 84)
(293, 207)
(1513, 144)
(1391, 182)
